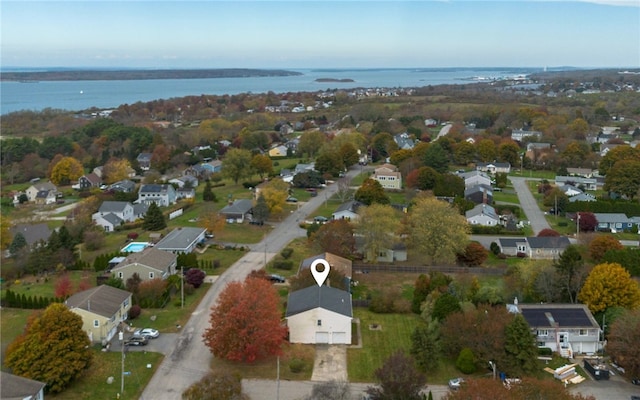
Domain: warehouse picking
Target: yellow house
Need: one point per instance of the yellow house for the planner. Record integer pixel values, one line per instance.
(102, 309)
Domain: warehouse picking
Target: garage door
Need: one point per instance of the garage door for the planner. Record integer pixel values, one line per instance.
(322, 337)
(339, 338)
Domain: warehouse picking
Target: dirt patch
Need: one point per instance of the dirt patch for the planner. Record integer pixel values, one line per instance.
(375, 327)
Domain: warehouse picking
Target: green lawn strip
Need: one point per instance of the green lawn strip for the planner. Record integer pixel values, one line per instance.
(301, 250)
(539, 174)
(45, 287)
(93, 383)
(226, 258)
(377, 345)
(397, 197)
(506, 197)
(267, 368)
(242, 233)
(12, 323)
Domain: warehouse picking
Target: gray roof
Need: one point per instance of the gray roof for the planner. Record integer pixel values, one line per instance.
(32, 233)
(582, 197)
(45, 186)
(103, 300)
(549, 242)
(239, 207)
(113, 206)
(482, 209)
(612, 218)
(482, 188)
(140, 208)
(124, 185)
(510, 242)
(113, 219)
(16, 387)
(154, 188)
(144, 157)
(151, 257)
(180, 238)
(351, 205)
(471, 174)
(326, 297)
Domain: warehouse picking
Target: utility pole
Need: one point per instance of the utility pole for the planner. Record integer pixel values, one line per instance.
(577, 225)
(181, 287)
(278, 379)
(121, 338)
(265, 254)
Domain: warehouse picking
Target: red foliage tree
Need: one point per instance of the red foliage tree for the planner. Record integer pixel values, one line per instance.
(63, 287)
(195, 277)
(474, 255)
(548, 233)
(588, 221)
(245, 322)
(83, 285)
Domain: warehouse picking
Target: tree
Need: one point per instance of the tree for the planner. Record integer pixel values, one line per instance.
(195, 277)
(623, 342)
(449, 185)
(19, 242)
(421, 289)
(311, 142)
(548, 232)
(445, 305)
(466, 361)
(617, 154)
(436, 230)
(154, 220)
(66, 170)
(425, 345)
(474, 255)
(557, 199)
(133, 286)
(465, 153)
(436, 157)
(116, 170)
(262, 164)
(329, 163)
(378, 225)
(486, 150)
(371, 192)
(399, 379)
(219, 385)
(160, 157)
(609, 285)
(570, 270)
(245, 322)
(310, 179)
(509, 151)
(348, 154)
(601, 244)
(424, 178)
(623, 178)
(63, 287)
(528, 388)
(261, 210)
(335, 237)
(236, 164)
(53, 349)
(152, 293)
(275, 194)
(587, 221)
(332, 390)
(207, 193)
(520, 348)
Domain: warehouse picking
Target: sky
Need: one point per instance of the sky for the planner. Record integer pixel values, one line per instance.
(313, 34)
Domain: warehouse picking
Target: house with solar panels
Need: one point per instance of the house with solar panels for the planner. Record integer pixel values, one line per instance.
(567, 329)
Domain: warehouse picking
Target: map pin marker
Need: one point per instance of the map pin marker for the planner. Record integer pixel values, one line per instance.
(320, 276)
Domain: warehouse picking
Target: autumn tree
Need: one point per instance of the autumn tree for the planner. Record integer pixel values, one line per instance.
(262, 165)
(154, 220)
(424, 178)
(68, 169)
(601, 244)
(474, 255)
(329, 163)
(348, 154)
(116, 170)
(236, 164)
(370, 192)
(398, 378)
(587, 221)
(152, 292)
(548, 232)
(623, 342)
(378, 225)
(53, 349)
(275, 194)
(219, 385)
(5, 234)
(212, 221)
(195, 277)
(623, 178)
(436, 230)
(245, 322)
(311, 142)
(520, 348)
(335, 237)
(617, 154)
(63, 288)
(609, 285)
(509, 151)
(160, 157)
(486, 149)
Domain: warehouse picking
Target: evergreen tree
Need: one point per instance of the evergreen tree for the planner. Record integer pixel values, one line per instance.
(18, 243)
(425, 345)
(570, 269)
(520, 348)
(153, 219)
(261, 210)
(207, 194)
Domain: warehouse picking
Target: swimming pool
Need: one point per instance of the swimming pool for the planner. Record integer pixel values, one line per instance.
(134, 247)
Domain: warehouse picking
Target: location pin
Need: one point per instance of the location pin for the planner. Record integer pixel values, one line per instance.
(320, 276)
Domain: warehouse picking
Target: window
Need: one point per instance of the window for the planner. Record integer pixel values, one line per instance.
(543, 332)
(319, 322)
(120, 275)
(126, 302)
(96, 323)
(584, 332)
(618, 225)
(151, 275)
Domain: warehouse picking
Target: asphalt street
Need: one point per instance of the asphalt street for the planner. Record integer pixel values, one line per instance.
(529, 205)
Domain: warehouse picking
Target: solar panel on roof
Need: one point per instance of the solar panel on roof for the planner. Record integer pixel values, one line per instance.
(564, 317)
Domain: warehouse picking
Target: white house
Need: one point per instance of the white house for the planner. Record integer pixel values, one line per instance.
(33, 190)
(162, 195)
(388, 176)
(112, 214)
(482, 214)
(348, 210)
(319, 314)
(475, 178)
(181, 240)
(494, 168)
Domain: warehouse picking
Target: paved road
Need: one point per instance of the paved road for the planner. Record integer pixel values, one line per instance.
(190, 359)
(529, 205)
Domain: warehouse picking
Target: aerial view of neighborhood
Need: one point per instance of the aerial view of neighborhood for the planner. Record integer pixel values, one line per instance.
(350, 240)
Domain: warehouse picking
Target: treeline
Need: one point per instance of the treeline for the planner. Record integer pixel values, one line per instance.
(16, 300)
(630, 209)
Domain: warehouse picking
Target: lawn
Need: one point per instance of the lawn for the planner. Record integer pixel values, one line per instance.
(226, 258)
(301, 251)
(45, 287)
(507, 196)
(377, 345)
(12, 323)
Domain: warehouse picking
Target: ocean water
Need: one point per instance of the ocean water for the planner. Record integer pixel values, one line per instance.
(81, 95)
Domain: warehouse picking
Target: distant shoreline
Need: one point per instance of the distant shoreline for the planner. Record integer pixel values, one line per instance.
(122, 75)
(343, 80)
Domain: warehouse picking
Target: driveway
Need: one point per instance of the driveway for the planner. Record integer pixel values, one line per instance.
(330, 363)
(529, 205)
(615, 388)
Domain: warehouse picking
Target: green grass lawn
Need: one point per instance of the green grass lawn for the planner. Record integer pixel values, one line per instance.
(539, 174)
(225, 257)
(12, 323)
(377, 345)
(45, 287)
(506, 196)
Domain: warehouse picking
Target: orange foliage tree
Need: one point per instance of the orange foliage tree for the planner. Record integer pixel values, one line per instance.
(601, 244)
(245, 322)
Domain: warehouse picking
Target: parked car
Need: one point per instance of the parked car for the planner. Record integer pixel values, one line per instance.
(277, 278)
(209, 235)
(292, 199)
(136, 341)
(635, 381)
(320, 219)
(148, 333)
(455, 383)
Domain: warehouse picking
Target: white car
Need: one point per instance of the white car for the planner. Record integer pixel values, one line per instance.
(455, 383)
(147, 333)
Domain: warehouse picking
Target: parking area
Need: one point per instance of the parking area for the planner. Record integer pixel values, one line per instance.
(616, 388)
(164, 344)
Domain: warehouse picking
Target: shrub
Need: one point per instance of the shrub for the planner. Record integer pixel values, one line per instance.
(216, 264)
(465, 363)
(283, 264)
(495, 248)
(296, 365)
(544, 351)
(188, 289)
(132, 235)
(286, 252)
(134, 311)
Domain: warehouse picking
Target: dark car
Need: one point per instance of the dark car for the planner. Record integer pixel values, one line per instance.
(277, 278)
(635, 381)
(136, 341)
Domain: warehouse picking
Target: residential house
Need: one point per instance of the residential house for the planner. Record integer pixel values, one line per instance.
(181, 240)
(124, 186)
(304, 168)
(16, 387)
(162, 195)
(519, 134)
(238, 211)
(185, 193)
(340, 264)
(483, 214)
(479, 194)
(395, 251)
(404, 141)
(144, 161)
(150, 263)
(139, 210)
(212, 166)
(607, 147)
(613, 222)
(348, 210)
(388, 176)
(567, 329)
(474, 178)
(319, 315)
(494, 168)
(45, 197)
(582, 197)
(582, 183)
(89, 181)
(112, 214)
(33, 190)
(33, 233)
(512, 246)
(551, 247)
(570, 190)
(185, 181)
(102, 309)
(278, 151)
(582, 172)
